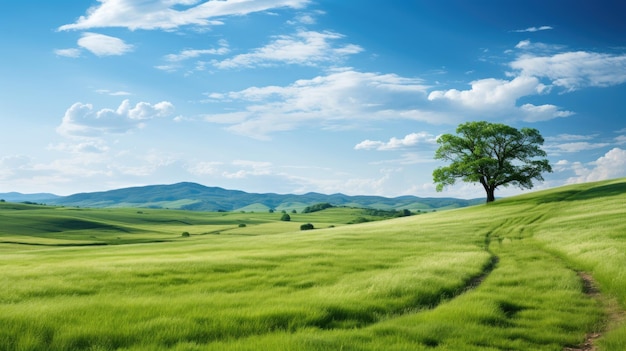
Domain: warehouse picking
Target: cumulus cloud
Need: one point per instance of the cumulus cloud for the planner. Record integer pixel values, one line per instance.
(81, 120)
(171, 14)
(491, 93)
(500, 96)
(611, 165)
(302, 48)
(410, 140)
(574, 70)
(330, 101)
(103, 45)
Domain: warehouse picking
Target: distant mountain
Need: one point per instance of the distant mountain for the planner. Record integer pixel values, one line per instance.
(19, 197)
(192, 196)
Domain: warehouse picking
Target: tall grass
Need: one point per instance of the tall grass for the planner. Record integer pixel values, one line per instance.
(494, 277)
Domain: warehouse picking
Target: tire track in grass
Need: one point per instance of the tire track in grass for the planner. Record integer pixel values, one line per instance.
(614, 315)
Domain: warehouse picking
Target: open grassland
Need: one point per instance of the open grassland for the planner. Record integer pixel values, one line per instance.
(503, 276)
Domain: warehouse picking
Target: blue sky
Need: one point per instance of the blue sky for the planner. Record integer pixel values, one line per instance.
(293, 96)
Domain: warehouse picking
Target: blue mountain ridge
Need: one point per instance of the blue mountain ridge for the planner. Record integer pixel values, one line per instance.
(197, 197)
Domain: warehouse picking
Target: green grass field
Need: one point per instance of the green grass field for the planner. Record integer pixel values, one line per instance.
(503, 276)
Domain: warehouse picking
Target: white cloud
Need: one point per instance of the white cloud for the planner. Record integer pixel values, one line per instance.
(408, 141)
(611, 165)
(86, 147)
(491, 93)
(193, 53)
(533, 29)
(329, 101)
(113, 93)
(569, 137)
(574, 70)
(529, 45)
(248, 168)
(577, 146)
(103, 45)
(499, 96)
(533, 113)
(204, 168)
(82, 121)
(73, 52)
(168, 15)
(303, 48)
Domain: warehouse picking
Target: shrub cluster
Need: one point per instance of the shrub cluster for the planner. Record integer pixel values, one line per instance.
(307, 226)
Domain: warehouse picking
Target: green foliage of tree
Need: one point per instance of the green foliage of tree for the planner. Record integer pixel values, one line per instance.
(285, 217)
(307, 226)
(317, 207)
(491, 154)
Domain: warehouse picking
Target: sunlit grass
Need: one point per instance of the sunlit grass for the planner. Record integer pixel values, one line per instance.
(402, 284)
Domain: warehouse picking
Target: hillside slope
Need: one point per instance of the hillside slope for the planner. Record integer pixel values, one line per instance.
(501, 276)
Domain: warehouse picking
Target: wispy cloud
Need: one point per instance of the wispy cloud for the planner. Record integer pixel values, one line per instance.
(337, 99)
(171, 14)
(73, 52)
(410, 140)
(223, 49)
(103, 45)
(571, 147)
(302, 48)
(569, 137)
(574, 70)
(533, 29)
(81, 120)
(113, 93)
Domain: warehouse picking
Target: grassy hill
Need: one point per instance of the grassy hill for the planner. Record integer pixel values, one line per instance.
(511, 275)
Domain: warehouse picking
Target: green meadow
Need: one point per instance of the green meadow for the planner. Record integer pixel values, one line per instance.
(502, 276)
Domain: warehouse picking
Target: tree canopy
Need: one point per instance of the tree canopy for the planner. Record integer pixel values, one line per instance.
(491, 154)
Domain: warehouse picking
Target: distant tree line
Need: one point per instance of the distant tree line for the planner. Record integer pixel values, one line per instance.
(317, 207)
(387, 213)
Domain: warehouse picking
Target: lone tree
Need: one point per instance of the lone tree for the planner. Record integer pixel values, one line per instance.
(492, 154)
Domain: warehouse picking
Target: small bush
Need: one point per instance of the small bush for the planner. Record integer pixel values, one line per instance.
(285, 218)
(307, 226)
(186, 235)
(242, 225)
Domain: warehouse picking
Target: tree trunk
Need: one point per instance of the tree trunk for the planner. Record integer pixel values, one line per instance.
(490, 194)
(490, 190)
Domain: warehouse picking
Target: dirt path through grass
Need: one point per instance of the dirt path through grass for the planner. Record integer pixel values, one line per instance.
(615, 315)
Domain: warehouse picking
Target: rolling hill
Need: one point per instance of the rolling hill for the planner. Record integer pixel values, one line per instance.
(192, 196)
(543, 271)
